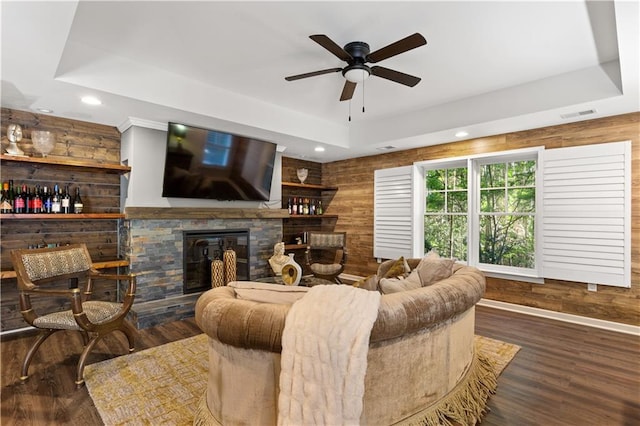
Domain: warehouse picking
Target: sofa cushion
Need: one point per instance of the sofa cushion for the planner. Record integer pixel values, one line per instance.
(368, 283)
(394, 285)
(432, 268)
(267, 293)
(399, 268)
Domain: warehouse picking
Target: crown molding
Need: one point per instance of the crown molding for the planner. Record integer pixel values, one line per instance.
(141, 122)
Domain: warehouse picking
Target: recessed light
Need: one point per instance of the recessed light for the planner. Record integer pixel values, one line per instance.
(319, 149)
(461, 134)
(91, 100)
(45, 110)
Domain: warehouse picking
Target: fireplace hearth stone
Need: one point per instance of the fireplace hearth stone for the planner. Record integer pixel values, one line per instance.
(154, 248)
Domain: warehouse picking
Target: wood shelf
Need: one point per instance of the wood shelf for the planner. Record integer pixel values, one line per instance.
(68, 162)
(312, 216)
(295, 246)
(97, 265)
(203, 213)
(309, 186)
(60, 216)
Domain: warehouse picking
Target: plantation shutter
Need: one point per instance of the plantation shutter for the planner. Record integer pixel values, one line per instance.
(393, 209)
(587, 214)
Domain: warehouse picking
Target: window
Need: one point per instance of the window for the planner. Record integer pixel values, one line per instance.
(562, 213)
(445, 218)
(482, 210)
(506, 231)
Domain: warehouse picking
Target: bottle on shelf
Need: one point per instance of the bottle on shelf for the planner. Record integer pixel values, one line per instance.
(28, 199)
(78, 205)
(6, 204)
(312, 207)
(19, 205)
(319, 209)
(289, 206)
(56, 202)
(294, 209)
(46, 200)
(36, 201)
(65, 201)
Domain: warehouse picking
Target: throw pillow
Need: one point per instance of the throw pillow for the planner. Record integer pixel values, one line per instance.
(394, 285)
(368, 283)
(268, 293)
(432, 268)
(399, 268)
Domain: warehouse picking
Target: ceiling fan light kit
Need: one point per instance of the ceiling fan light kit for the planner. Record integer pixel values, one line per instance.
(356, 73)
(357, 54)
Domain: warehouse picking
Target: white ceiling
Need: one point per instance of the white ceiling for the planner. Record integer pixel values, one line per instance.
(488, 67)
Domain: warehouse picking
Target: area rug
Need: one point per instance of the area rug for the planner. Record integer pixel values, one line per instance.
(163, 385)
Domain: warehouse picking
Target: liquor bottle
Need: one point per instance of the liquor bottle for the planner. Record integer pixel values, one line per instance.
(46, 200)
(65, 201)
(289, 206)
(36, 200)
(294, 209)
(6, 204)
(12, 196)
(78, 205)
(320, 210)
(305, 207)
(56, 202)
(19, 205)
(312, 207)
(28, 202)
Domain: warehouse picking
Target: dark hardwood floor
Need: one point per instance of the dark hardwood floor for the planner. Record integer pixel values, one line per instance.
(565, 374)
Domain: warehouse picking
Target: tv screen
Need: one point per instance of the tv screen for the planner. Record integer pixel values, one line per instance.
(203, 163)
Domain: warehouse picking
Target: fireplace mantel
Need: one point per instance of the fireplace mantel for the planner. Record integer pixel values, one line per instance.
(202, 213)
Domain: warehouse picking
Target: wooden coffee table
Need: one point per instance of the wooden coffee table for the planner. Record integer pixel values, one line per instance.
(305, 281)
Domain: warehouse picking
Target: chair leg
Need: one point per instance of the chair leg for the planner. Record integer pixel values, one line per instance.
(83, 359)
(129, 331)
(44, 334)
(85, 337)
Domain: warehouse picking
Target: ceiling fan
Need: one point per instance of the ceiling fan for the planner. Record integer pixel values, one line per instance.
(356, 54)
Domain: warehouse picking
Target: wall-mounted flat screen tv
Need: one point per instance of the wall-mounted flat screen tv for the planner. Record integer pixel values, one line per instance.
(211, 164)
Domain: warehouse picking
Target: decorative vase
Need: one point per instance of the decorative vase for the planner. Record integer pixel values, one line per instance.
(217, 273)
(230, 272)
(43, 141)
(302, 174)
(291, 272)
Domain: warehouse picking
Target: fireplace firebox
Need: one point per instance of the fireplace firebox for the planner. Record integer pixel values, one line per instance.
(202, 247)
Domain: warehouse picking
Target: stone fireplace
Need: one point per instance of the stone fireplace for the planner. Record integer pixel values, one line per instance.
(152, 240)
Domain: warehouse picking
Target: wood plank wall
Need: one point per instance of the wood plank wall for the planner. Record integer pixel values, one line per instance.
(354, 203)
(100, 192)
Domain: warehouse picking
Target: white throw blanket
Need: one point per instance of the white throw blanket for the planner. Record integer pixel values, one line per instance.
(324, 356)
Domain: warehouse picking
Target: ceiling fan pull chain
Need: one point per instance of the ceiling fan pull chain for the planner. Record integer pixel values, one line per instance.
(363, 97)
(349, 109)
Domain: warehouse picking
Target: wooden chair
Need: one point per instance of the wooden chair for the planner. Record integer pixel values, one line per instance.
(326, 254)
(39, 270)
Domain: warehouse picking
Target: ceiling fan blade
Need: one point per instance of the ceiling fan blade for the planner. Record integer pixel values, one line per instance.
(400, 46)
(397, 76)
(312, 74)
(347, 90)
(331, 46)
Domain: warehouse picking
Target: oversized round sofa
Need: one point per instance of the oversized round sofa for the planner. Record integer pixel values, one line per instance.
(421, 365)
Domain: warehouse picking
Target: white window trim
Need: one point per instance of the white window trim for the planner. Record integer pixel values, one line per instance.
(548, 266)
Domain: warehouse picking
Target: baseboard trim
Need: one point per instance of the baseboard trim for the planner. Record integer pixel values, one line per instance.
(561, 316)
